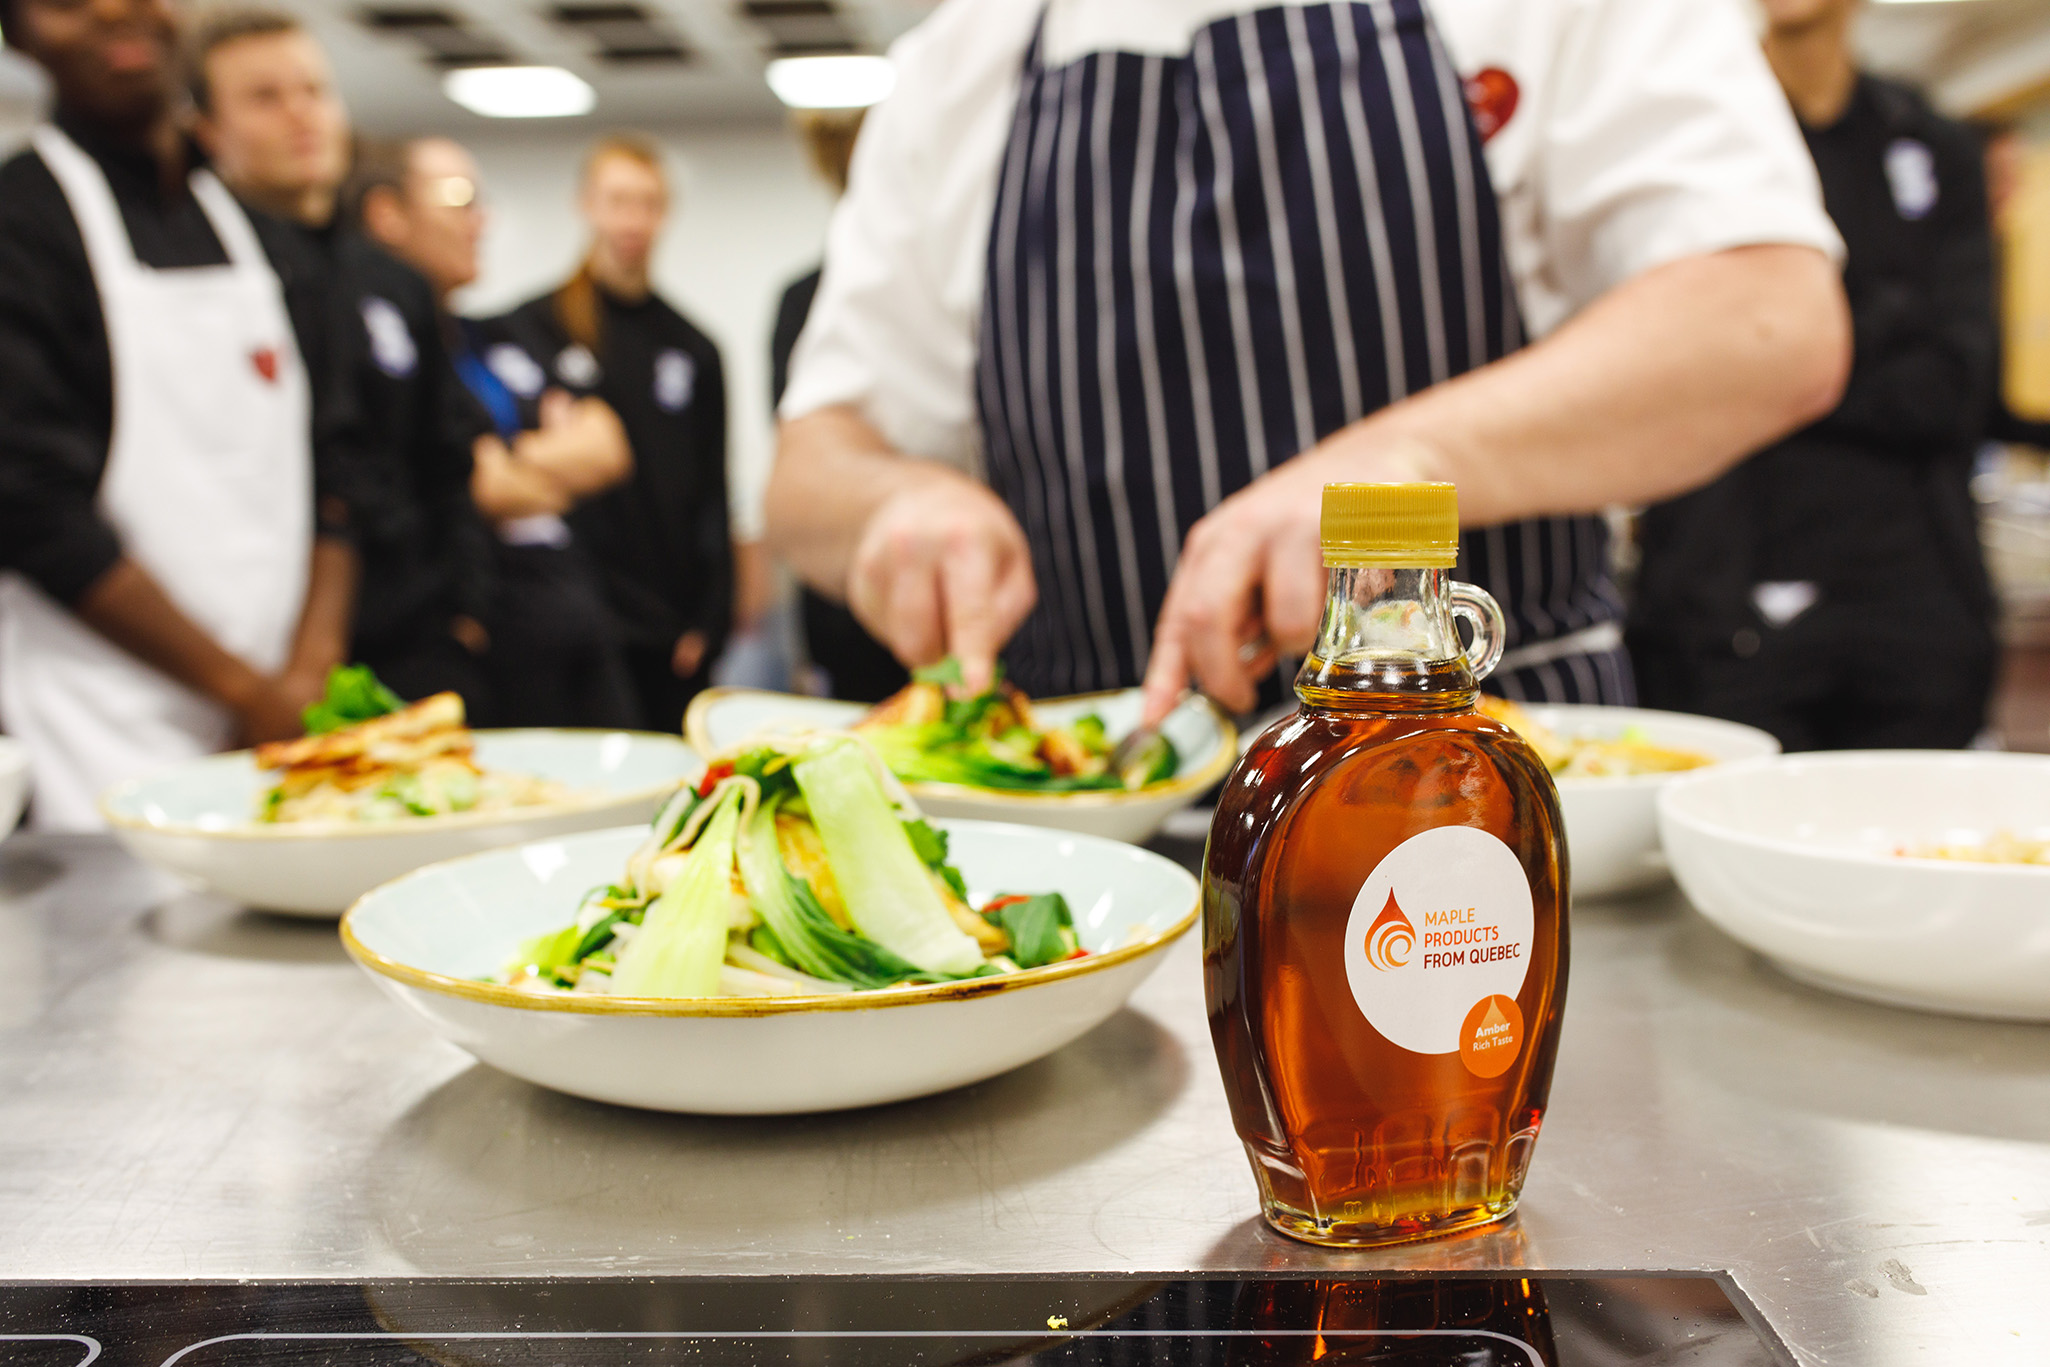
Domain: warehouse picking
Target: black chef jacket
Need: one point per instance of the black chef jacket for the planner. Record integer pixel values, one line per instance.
(662, 540)
(1872, 504)
(425, 550)
(56, 378)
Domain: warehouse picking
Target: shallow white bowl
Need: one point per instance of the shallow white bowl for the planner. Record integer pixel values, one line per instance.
(1205, 739)
(429, 936)
(1795, 858)
(1612, 834)
(196, 820)
(13, 783)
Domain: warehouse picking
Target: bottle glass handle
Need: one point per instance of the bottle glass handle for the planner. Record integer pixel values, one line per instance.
(1479, 610)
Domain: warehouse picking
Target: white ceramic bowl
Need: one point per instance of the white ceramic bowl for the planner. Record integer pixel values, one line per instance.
(196, 820)
(429, 936)
(1795, 857)
(1612, 833)
(13, 783)
(1205, 739)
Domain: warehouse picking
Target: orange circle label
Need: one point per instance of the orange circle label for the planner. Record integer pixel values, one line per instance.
(1491, 1036)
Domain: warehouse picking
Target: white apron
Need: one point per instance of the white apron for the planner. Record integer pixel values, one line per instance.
(208, 483)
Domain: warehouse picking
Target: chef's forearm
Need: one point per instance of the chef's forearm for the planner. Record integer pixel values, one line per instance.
(1656, 388)
(833, 471)
(131, 609)
(322, 641)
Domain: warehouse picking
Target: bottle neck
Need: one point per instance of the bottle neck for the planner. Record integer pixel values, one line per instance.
(1388, 643)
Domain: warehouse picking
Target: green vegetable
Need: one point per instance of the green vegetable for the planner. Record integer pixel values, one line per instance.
(803, 934)
(549, 954)
(682, 937)
(1155, 761)
(353, 695)
(668, 822)
(888, 893)
(1041, 929)
(930, 844)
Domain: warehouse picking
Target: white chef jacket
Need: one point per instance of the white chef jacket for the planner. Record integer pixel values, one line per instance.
(1643, 131)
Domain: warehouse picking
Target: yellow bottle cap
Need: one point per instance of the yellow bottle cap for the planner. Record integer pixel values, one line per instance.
(1403, 526)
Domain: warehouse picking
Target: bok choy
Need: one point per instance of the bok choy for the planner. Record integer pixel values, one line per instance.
(797, 867)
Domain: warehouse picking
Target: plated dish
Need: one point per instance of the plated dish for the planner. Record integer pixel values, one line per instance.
(929, 732)
(199, 820)
(1609, 764)
(398, 762)
(435, 938)
(1629, 753)
(793, 869)
(1800, 859)
(1202, 740)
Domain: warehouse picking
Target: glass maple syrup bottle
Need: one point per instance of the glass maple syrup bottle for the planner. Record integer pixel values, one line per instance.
(1384, 894)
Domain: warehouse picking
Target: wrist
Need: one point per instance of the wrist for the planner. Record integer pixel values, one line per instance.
(235, 686)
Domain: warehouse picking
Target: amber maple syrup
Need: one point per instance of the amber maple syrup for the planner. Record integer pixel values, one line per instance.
(1383, 906)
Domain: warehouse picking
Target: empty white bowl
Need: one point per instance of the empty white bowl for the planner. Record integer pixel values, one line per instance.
(13, 783)
(1612, 833)
(1204, 738)
(198, 820)
(1796, 858)
(429, 937)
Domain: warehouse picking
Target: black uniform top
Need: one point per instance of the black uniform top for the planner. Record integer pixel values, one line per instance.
(662, 539)
(1873, 500)
(791, 312)
(425, 550)
(56, 377)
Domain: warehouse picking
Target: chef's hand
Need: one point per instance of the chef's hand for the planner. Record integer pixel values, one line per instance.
(269, 709)
(1249, 586)
(941, 568)
(689, 655)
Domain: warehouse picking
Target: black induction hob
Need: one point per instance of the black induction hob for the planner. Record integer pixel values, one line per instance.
(1540, 1320)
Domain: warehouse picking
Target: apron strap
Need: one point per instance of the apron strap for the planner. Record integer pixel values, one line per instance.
(230, 223)
(92, 201)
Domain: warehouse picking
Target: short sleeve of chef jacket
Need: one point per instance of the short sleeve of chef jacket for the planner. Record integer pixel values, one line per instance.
(1632, 133)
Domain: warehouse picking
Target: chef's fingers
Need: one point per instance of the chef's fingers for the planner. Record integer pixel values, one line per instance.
(968, 573)
(884, 593)
(912, 617)
(1209, 612)
(1292, 592)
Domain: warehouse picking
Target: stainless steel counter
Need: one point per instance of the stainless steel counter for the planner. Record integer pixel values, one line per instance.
(188, 1090)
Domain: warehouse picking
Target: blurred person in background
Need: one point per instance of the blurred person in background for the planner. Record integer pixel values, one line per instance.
(2007, 156)
(177, 569)
(1830, 589)
(855, 664)
(554, 657)
(1119, 285)
(661, 540)
(269, 117)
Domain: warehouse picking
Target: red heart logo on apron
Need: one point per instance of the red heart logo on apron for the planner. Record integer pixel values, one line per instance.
(1492, 96)
(265, 359)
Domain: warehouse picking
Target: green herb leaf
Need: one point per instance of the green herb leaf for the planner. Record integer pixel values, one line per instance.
(353, 695)
(1041, 929)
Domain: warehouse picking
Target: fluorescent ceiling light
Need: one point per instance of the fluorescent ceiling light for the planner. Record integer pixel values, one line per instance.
(843, 82)
(519, 92)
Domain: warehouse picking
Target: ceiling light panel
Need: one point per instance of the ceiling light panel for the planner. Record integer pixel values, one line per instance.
(520, 92)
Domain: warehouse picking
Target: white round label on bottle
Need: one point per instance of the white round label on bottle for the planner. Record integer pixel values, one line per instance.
(1438, 941)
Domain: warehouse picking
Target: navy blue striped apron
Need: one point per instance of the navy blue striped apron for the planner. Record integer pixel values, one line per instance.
(1202, 265)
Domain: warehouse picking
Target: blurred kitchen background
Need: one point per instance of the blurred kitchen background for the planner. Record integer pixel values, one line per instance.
(752, 213)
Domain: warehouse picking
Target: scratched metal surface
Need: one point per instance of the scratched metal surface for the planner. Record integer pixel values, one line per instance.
(187, 1090)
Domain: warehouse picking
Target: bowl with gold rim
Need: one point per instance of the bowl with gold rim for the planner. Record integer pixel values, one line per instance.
(199, 822)
(434, 939)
